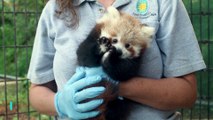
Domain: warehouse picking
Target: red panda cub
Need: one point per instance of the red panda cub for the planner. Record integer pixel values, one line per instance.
(115, 43)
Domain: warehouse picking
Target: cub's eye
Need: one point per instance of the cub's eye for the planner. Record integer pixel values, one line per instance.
(127, 45)
(114, 41)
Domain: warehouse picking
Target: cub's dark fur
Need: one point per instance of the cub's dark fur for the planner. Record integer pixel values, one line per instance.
(115, 43)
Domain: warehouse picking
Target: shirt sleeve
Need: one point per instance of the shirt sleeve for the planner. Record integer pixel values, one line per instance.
(177, 41)
(41, 64)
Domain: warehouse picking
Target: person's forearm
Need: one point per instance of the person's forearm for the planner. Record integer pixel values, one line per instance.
(42, 99)
(165, 94)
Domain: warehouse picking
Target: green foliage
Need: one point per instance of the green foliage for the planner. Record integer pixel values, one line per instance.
(18, 28)
(20, 100)
(202, 20)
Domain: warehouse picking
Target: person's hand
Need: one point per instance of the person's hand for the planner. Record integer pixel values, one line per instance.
(110, 84)
(91, 71)
(68, 101)
(111, 92)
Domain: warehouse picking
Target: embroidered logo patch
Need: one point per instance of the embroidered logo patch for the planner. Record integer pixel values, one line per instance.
(142, 6)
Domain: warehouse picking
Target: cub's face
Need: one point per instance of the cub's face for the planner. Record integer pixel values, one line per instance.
(128, 36)
(123, 32)
(125, 46)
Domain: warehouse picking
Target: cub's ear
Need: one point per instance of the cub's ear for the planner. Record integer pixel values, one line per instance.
(111, 14)
(147, 31)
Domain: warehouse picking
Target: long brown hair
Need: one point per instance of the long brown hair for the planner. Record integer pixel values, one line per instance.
(66, 11)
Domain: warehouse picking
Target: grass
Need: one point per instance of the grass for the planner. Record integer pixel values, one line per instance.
(20, 102)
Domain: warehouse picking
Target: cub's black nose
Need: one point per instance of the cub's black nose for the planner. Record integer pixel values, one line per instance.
(115, 51)
(118, 52)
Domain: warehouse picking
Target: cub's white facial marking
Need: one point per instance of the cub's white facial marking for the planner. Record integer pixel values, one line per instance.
(120, 46)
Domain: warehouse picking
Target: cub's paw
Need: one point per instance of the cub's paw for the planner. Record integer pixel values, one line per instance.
(104, 44)
(113, 52)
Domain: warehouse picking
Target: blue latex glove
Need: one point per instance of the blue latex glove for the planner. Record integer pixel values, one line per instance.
(112, 86)
(67, 101)
(91, 71)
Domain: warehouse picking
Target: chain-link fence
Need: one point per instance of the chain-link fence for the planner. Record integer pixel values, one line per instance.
(17, 29)
(201, 14)
(18, 24)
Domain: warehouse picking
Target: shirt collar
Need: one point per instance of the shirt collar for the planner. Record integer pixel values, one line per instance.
(117, 3)
(79, 2)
